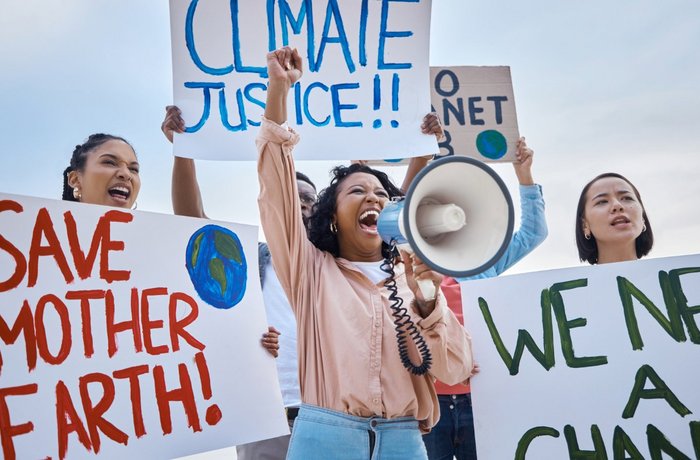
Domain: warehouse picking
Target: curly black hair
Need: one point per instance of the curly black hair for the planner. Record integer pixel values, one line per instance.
(588, 248)
(319, 224)
(79, 158)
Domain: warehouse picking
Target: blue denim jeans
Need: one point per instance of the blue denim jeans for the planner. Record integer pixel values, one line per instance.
(453, 435)
(322, 434)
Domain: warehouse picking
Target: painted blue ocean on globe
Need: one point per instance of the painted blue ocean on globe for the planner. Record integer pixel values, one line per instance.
(217, 267)
(491, 144)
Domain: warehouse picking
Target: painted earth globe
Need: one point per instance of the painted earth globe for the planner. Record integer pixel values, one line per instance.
(217, 267)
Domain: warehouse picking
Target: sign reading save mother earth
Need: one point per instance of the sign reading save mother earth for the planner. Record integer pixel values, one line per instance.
(127, 334)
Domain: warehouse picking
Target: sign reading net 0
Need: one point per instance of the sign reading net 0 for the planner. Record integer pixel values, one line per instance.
(593, 362)
(364, 91)
(127, 334)
(477, 109)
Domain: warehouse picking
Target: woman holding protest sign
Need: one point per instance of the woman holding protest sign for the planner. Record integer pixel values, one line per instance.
(358, 399)
(103, 170)
(187, 200)
(453, 435)
(611, 222)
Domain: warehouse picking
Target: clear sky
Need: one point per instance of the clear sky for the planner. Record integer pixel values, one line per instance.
(599, 86)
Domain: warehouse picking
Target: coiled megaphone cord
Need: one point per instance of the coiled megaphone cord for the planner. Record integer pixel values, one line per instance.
(403, 323)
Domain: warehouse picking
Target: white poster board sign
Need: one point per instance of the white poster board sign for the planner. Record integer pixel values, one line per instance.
(127, 334)
(364, 90)
(477, 108)
(594, 362)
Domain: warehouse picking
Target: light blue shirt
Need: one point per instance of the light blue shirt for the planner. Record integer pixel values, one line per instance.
(532, 232)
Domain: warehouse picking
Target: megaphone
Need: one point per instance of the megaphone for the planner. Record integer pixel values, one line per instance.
(457, 216)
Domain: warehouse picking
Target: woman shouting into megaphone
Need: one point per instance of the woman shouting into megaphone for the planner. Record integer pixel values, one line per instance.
(359, 401)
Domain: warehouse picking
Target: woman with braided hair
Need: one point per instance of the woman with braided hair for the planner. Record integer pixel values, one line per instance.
(103, 170)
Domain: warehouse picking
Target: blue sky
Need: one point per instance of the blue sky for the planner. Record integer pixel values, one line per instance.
(599, 86)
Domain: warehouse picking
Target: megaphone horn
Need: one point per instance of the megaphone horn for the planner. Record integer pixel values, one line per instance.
(457, 216)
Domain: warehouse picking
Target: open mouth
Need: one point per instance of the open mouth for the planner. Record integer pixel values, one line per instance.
(620, 221)
(368, 221)
(119, 193)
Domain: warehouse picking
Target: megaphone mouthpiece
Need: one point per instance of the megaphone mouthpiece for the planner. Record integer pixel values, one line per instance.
(434, 219)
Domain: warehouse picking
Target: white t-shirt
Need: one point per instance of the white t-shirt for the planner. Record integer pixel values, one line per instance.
(372, 270)
(281, 316)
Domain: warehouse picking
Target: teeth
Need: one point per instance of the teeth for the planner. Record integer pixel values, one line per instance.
(369, 213)
(120, 191)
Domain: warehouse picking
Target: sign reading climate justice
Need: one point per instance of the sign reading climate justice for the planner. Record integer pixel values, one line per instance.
(364, 91)
(592, 362)
(126, 334)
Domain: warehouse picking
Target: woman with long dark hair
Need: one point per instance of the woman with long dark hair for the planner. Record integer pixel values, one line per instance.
(611, 222)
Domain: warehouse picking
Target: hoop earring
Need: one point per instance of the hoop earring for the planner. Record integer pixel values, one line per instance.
(587, 236)
(644, 227)
(76, 194)
(334, 228)
(135, 206)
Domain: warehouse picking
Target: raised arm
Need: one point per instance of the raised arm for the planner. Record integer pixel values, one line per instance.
(284, 68)
(523, 163)
(279, 204)
(186, 197)
(533, 225)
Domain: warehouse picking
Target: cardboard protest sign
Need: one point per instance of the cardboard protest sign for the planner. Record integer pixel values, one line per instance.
(364, 90)
(595, 362)
(128, 334)
(477, 108)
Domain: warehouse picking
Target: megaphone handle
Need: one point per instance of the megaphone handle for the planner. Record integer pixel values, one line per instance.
(427, 288)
